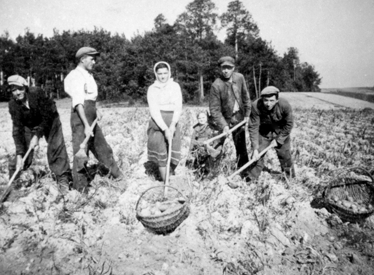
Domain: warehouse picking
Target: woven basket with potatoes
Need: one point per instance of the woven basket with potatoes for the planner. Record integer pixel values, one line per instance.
(350, 194)
(162, 215)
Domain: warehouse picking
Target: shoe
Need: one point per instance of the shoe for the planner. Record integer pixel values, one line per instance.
(246, 176)
(232, 185)
(234, 182)
(64, 183)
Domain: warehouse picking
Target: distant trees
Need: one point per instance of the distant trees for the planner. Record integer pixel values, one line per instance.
(239, 24)
(197, 24)
(299, 76)
(190, 45)
(199, 20)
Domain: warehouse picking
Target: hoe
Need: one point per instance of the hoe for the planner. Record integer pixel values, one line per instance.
(9, 186)
(81, 155)
(213, 152)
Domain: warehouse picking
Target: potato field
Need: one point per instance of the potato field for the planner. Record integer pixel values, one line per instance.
(267, 228)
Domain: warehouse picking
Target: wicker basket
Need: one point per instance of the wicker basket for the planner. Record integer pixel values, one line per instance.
(165, 222)
(354, 184)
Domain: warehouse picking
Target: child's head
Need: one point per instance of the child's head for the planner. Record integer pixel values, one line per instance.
(202, 118)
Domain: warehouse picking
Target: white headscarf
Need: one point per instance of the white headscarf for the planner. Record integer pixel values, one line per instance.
(159, 83)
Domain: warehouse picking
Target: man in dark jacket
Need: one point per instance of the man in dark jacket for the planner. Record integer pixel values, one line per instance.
(229, 104)
(35, 116)
(271, 123)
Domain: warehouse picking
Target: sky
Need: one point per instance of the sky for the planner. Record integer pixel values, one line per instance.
(336, 36)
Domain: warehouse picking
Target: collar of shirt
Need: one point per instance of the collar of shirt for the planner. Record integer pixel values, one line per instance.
(264, 110)
(84, 71)
(230, 81)
(26, 104)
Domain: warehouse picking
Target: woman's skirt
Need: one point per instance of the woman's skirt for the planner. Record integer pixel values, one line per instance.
(157, 143)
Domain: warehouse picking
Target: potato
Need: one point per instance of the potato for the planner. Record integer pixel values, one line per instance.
(157, 212)
(335, 198)
(145, 212)
(153, 210)
(163, 207)
(347, 204)
(350, 199)
(363, 210)
(290, 200)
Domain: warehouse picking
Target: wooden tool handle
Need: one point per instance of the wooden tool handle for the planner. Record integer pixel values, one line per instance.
(224, 134)
(8, 188)
(167, 169)
(83, 144)
(250, 162)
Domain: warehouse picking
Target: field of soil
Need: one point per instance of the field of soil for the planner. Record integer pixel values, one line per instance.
(362, 93)
(264, 228)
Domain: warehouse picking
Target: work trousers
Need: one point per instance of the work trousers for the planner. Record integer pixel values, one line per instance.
(96, 144)
(57, 156)
(283, 152)
(240, 144)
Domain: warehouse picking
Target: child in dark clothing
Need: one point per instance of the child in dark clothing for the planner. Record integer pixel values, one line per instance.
(202, 131)
(203, 155)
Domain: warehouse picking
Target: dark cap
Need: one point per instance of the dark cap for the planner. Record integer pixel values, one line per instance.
(226, 60)
(17, 80)
(269, 90)
(86, 51)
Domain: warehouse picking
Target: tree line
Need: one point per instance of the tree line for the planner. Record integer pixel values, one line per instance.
(190, 45)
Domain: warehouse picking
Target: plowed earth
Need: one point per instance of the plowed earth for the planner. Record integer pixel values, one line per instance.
(267, 228)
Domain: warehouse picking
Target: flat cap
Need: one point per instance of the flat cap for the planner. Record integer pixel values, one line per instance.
(17, 80)
(269, 90)
(226, 60)
(86, 51)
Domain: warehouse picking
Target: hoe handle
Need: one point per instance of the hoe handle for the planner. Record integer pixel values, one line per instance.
(7, 190)
(225, 134)
(84, 143)
(167, 169)
(263, 152)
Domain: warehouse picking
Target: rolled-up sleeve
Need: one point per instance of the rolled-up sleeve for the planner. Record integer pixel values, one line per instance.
(74, 86)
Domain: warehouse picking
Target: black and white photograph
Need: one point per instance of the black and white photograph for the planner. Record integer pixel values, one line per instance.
(186, 137)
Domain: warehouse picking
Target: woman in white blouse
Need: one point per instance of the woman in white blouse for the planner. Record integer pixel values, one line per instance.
(164, 98)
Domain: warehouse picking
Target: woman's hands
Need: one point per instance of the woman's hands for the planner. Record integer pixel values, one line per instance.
(169, 132)
(99, 115)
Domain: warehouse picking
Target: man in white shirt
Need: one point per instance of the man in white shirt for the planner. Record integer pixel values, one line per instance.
(81, 86)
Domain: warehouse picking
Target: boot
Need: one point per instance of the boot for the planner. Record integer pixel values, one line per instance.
(64, 182)
(290, 172)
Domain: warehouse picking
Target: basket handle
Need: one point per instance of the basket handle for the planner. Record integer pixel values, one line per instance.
(158, 186)
(351, 169)
(355, 168)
